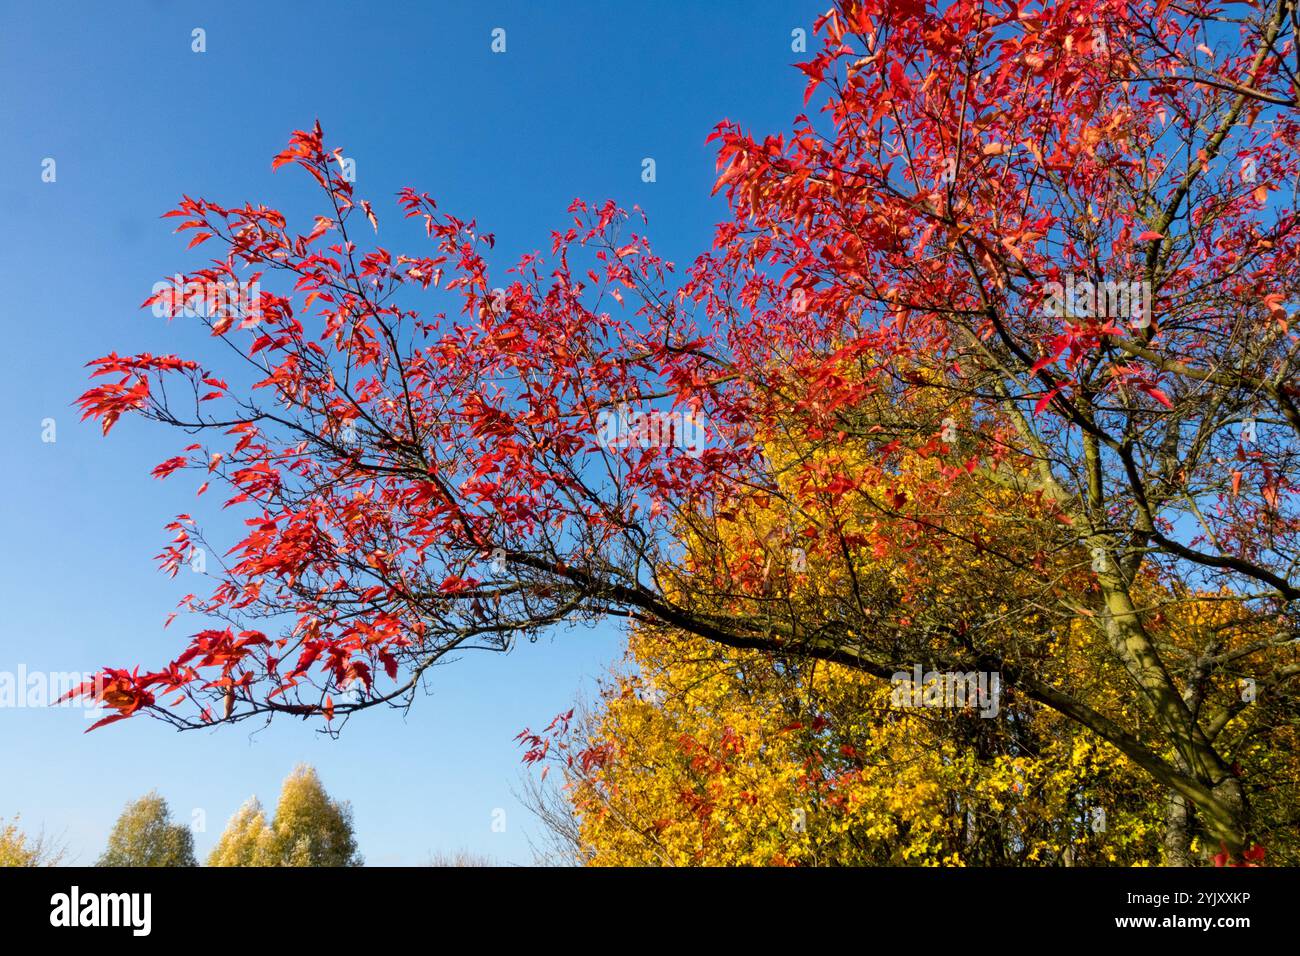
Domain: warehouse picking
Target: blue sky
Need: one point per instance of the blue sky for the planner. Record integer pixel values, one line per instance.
(134, 118)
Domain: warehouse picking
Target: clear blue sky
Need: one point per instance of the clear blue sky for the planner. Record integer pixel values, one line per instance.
(133, 118)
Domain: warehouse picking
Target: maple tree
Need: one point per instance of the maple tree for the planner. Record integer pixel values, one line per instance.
(1050, 244)
(700, 755)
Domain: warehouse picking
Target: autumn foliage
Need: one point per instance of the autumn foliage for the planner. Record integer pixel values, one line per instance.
(694, 754)
(309, 829)
(1017, 294)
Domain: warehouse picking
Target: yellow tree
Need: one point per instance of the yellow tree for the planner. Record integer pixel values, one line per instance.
(700, 757)
(144, 835)
(246, 841)
(309, 829)
(709, 754)
(19, 849)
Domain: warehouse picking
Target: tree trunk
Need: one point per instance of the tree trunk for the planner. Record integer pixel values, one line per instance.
(1178, 831)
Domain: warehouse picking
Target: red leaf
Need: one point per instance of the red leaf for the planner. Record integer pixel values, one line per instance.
(1158, 395)
(107, 720)
(169, 466)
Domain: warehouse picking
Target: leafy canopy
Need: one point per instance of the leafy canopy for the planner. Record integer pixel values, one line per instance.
(309, 829)
(1059, 238)
(144, 835)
